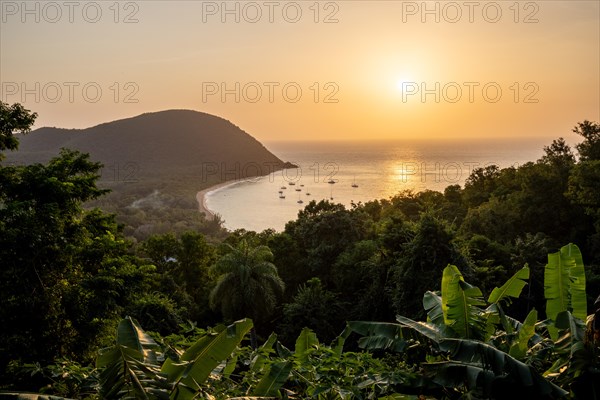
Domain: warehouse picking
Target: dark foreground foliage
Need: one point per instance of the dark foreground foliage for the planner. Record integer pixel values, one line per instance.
(69, 275)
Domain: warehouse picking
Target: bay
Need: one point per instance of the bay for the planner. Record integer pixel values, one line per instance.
(361, 172)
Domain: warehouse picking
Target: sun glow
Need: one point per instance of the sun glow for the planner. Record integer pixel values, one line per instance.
(402, 83)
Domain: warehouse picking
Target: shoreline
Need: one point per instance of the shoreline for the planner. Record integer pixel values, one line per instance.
(201, 196)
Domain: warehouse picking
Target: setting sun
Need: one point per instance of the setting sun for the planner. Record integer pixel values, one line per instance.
(402, 83)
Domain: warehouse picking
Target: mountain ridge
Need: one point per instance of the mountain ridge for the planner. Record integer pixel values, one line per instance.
(171, 143)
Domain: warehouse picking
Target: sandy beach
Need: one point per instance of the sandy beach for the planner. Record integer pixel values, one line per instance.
(201, 196)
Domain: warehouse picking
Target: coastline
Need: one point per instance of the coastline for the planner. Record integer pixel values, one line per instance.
(201, 196)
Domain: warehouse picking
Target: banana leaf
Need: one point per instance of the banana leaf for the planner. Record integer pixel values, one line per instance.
(379, 335)
(201, 358)
(459, 303)
(273, 379)
(306, 341)
(512, 288)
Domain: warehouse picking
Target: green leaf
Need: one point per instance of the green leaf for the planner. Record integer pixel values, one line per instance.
(130, 334)
(512, 288)
(230, 366)
(433, 305)
(274, 378)
(459, 301)
(338, 343)
(379, 335)
(262, 352)
(482, 366)
(200, 360)
(519, 347)
(130, 368)
(564, 285)
(566, 320)
(306, 341)
(577, 281)
(428, 330)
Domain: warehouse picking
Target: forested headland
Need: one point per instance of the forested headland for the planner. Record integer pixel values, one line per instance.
(481, 291)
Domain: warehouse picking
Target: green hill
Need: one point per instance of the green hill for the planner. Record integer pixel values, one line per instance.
(156, 163)
(175, 144)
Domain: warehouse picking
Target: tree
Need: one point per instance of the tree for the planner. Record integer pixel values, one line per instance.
(13, 119)
(322, 232)
(589, 149)
(421, 261)
(66, 272)
(313, 307)
(183, 263)
(247, 285)
(480, 185)
(558, 152)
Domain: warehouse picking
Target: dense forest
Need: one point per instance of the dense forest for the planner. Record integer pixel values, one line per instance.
(370, 302)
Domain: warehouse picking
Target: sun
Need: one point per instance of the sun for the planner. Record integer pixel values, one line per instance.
(402, 82)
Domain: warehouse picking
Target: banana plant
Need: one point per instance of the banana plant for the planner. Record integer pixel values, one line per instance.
(564, 285)
(134, 367)
(459, 328)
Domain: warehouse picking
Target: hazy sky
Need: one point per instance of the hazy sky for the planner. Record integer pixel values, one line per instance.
(310, 70)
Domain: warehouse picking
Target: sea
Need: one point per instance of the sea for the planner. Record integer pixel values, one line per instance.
(355, 172)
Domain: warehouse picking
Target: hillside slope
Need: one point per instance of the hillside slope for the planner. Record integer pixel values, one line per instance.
(158, 146)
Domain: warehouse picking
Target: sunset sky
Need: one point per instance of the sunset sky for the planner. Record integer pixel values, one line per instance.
(365, 69)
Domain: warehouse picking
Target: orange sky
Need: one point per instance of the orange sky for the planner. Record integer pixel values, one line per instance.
(365, 69)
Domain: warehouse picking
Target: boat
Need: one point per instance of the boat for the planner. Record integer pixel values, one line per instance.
(281, 191)
(298, 190)
(291, 183)
(307, 193)
(354, 185)
(331, 181)
(300, 202)
(301, 185)
(283, 187)
(281, 196)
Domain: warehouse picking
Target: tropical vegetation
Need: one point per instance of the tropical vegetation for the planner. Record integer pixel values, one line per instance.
(477, 292)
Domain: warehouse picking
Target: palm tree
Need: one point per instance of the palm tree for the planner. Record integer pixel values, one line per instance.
(247, 284)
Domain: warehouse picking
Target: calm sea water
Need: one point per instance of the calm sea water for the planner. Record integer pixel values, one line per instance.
(377, 170)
